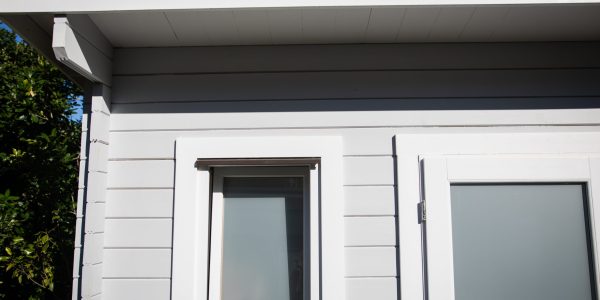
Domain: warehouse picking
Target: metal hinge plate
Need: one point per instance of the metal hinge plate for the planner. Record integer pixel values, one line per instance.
(422, 217)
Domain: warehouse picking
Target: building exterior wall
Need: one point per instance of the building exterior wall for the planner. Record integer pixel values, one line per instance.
(364, 93)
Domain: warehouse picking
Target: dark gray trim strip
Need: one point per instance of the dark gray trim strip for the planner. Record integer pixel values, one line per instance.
(274, 161)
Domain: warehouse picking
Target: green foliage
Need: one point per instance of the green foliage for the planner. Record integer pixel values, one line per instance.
(39, 147)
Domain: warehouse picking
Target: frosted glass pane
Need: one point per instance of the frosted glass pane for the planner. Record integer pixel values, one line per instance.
(520, 242)
(262, 239)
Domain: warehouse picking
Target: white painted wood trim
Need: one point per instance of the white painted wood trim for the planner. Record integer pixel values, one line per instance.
(408, 145)
(142, 174)
(441, 171)
(543, 147)
(439, 259)
(314, 281)
(349, 119)
(190, 240)
(216, 239)
(410, 252)
(73, 48)
(517, 168)
(133, 5)
(190, 229)
(594, 207)
(93, 176)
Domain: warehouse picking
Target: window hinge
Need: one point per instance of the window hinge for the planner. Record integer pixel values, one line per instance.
(422, 216)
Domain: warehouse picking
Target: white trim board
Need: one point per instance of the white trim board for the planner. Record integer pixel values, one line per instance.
(149, 5)
(411, 148)
(191, 211)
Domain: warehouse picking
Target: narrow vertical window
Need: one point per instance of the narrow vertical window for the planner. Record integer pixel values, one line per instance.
(258, 238)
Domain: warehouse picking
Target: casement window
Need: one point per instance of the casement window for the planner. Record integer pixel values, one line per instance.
(248, 219)
(260, 233)
(502, 216)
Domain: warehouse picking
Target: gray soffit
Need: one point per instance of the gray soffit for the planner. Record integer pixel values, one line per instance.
(425, 24)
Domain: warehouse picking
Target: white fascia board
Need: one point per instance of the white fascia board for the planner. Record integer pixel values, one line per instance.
(78, 6)
(75, 49)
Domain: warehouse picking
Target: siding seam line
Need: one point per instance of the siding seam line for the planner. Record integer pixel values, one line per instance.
(333, 99)
(357, 127)
(349, 70)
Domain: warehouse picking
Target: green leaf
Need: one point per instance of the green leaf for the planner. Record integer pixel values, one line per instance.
(39, 145)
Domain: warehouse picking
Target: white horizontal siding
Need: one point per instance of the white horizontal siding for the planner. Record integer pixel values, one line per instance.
(141, 174)
(96, 297)
(370, 231)
(357, 141)
(94, 217)
(93, 254)
(137, 263)
(369, 170)
(92, 279)
(161, 144)
(138, 233)
(371, 261)
(369, 201)
(127, 289)
(158, 203)
(139, 204)
(350, 119)
(372, 288)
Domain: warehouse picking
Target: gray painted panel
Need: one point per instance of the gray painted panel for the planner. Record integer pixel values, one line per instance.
(356, 57)
(358, 105)
(356, 85)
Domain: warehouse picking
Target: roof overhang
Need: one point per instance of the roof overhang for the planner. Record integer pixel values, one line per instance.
(78, 6)
(82, 34)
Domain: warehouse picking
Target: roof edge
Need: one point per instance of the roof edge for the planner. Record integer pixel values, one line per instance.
(78, 6)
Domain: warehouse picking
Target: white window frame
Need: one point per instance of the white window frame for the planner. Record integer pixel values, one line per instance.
(442, 171)
(191, 209)
(311, 240)
(514, 157)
